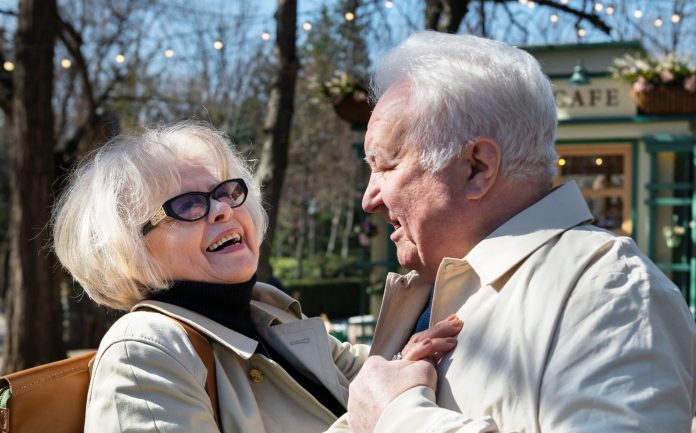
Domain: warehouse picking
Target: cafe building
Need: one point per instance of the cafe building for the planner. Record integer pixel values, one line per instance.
(633, 158)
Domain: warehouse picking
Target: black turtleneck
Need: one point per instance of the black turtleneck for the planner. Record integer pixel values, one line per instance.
(228, 304)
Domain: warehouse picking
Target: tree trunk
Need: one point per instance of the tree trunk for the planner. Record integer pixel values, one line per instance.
(87, 322)
(445, 15)
(273, 160)
(33, 307)
(348, 229)
(336, 211)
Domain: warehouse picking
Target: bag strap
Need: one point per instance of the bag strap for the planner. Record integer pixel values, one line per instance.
(204, 349)
(205, 352)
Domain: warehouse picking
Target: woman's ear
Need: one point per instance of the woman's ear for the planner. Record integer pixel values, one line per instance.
(484, 156)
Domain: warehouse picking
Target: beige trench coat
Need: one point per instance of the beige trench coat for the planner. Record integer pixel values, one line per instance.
(567, 328)
(147, 376)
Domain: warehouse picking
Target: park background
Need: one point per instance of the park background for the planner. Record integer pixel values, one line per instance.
(286, 81)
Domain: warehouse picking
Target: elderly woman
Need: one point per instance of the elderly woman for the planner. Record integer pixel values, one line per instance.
(171, 220)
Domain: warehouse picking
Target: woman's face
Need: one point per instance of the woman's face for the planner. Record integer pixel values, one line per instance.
(186, 250)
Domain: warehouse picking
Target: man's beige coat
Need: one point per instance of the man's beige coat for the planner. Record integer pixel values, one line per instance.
(147, 376)
(567, 328)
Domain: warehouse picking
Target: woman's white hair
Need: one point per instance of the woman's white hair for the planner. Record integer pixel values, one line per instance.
(98, 220)
(463, 87)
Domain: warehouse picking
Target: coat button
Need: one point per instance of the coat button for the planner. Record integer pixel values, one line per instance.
(256, 375)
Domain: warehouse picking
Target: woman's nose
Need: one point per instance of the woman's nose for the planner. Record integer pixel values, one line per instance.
(219, 211)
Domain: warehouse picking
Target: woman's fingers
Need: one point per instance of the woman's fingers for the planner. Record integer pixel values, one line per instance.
(430, 348)
(434, 341)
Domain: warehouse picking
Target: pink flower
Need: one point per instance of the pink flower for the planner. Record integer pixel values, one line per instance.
(666, 76)
(690, 84)
(642, 85)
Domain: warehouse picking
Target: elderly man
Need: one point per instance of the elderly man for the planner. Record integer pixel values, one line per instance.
(567, 327)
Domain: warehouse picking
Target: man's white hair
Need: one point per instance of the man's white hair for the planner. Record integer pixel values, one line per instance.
(98, 220)
(463, 87)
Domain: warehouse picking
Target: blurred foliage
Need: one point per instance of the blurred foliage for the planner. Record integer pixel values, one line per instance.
(338, 298)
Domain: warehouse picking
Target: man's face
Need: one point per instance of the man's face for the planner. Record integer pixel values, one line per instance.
(426, 209)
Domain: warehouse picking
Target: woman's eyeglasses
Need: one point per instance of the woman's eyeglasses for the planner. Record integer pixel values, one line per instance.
(192, 206)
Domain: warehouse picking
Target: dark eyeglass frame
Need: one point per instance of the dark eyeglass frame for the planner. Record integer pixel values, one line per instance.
(167, 210)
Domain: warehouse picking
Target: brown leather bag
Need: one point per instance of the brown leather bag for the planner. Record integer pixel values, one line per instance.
(52, 397)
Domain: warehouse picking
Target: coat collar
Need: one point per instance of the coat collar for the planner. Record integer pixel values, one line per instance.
(269, 306)
(562, 209)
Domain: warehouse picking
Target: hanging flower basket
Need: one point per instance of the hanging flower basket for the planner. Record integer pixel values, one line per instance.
(665, 85)
(665, 100)
(353, 107)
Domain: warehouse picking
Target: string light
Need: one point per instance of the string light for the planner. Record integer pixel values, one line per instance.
(349, 16)
(676, 18)
(638, 14)
(65, 63)
(8, 66)
(561, 162)
(524, 2)
(218, 45)
(169, 53)
(307, 26)
(554, 18)
(265, 36)
(598, 7)
(610, 10)
(564, 2)
(658, 22)
(599, 161)
(120, 58)
(581, 32)
(531, 5)
(388, 4)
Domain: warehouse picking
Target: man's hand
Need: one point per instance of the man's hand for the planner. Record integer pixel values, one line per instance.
(381, 381)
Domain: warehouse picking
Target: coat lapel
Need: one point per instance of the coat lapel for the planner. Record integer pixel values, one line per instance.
(303, 343)
(404, 299)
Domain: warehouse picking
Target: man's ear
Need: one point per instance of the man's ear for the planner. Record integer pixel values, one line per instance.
(484, 156)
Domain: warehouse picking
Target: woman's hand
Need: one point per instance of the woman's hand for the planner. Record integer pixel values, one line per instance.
(433, 342)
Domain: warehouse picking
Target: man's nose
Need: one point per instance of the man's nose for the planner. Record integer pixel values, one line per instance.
(372, 198)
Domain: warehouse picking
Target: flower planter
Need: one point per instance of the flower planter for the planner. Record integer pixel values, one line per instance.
(354, 108)
(665, 100)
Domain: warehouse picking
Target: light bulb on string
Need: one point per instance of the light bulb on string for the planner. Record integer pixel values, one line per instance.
(598, 7)
(638, 14)
(388, 4)
(658, 22)
(531, 5)
(599, 161)
(676, 18)
(581, 32)
(65, 63)
(120, 58)
(218, 45)
(349, 16)
(554, 18)
(307, 26)
(561, 162)
(265, 36)
(169, 53)
(610, 10)
(8, 66)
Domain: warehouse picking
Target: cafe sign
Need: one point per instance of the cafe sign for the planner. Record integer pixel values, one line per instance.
(603, 97)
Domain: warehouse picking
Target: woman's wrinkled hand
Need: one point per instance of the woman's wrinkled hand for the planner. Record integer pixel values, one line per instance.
(433, 342)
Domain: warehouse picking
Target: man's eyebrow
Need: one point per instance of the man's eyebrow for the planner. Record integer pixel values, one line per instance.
(370, 155)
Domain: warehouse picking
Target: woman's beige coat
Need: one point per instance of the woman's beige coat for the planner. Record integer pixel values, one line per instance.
(147, 376)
